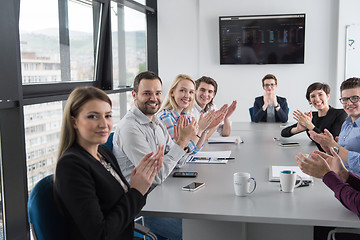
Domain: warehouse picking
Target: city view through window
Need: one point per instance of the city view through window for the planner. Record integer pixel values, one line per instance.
(42, 61)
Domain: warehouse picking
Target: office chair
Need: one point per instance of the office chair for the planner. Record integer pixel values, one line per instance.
(353, 231)
(109, 142)
(251, 110)
(46, 220)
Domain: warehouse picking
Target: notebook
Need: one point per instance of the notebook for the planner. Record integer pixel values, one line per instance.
(274, 173)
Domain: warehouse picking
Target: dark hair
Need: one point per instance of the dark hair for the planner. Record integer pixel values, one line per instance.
(269, 76)
(317, 86)
(350, 83)
(207, 80)
(144, 75)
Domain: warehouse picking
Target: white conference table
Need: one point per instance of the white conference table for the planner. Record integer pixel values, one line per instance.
(214, 212)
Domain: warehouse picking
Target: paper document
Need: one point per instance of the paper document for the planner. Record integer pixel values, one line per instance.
(274, 173)
(210, 160)
(209, 157)
(232, 139)
(213, 154)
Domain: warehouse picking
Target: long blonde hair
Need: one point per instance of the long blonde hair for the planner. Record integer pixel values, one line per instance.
(78, 97)
(170, 101)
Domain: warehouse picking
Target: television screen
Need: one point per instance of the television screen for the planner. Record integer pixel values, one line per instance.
(268, 39)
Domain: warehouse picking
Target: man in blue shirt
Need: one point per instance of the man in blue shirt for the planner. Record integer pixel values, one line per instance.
(348, 144)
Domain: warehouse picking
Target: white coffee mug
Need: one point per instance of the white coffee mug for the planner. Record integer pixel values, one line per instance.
(242, 182)
(288, 180)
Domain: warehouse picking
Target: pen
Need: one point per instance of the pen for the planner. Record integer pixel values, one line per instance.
(229, 158)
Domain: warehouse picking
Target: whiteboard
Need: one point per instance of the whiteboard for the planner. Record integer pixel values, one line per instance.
(352, 61)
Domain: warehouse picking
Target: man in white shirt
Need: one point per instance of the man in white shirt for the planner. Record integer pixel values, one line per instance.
(206, 89)
(140, 131)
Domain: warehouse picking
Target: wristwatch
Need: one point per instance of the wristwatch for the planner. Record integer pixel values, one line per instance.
(277, 106)
(187, 149)
(336, 148)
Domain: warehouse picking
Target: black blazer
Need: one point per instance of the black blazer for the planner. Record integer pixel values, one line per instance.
(280, 116)
(94, 203)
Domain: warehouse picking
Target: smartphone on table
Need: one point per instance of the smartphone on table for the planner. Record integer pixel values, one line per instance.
(193, 186)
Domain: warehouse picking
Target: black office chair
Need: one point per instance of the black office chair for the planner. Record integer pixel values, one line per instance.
(46, 220)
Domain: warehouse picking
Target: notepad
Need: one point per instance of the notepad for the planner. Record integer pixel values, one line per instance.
(232, 139)
(274, 173)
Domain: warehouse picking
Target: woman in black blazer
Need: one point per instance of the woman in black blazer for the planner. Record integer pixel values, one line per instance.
(269, 107)
(326, 117)
(95, 197)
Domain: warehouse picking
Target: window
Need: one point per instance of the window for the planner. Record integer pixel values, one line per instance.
(57, 55)
(42, 133)
(129, 49)
(81, 41)
(51, 49)
(117, 110)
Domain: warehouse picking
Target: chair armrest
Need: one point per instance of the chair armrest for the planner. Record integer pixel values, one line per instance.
(144, 231)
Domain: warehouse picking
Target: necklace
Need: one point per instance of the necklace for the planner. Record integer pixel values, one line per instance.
(109, 168)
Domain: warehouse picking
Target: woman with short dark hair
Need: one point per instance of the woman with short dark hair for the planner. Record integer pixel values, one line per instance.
(326, 117)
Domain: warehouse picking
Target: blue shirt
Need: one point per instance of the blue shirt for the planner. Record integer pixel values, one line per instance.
(349, 138)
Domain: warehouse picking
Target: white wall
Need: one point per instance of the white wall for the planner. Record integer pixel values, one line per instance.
(348, 15)
(189, 43)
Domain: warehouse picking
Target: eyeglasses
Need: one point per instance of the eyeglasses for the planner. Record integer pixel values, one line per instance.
(270, 85)
(353, 99)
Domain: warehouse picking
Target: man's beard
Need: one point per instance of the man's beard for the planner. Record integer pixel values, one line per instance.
(147, 109)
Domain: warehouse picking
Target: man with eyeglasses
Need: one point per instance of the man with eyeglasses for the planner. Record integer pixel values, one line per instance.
(348, 144)
(269, 107)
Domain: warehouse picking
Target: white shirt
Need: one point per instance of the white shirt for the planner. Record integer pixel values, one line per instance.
(136, 135)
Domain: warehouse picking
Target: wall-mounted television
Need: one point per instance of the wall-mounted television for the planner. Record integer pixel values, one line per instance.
(262, 39)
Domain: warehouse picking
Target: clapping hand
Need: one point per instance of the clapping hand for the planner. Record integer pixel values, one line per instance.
(326, 139)
(142, 176)
(315, 166)
(304, 120)
(270, 98)
(184, 130)
(231, 109)
(205, 121)
(321, 163)
(219, 116)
